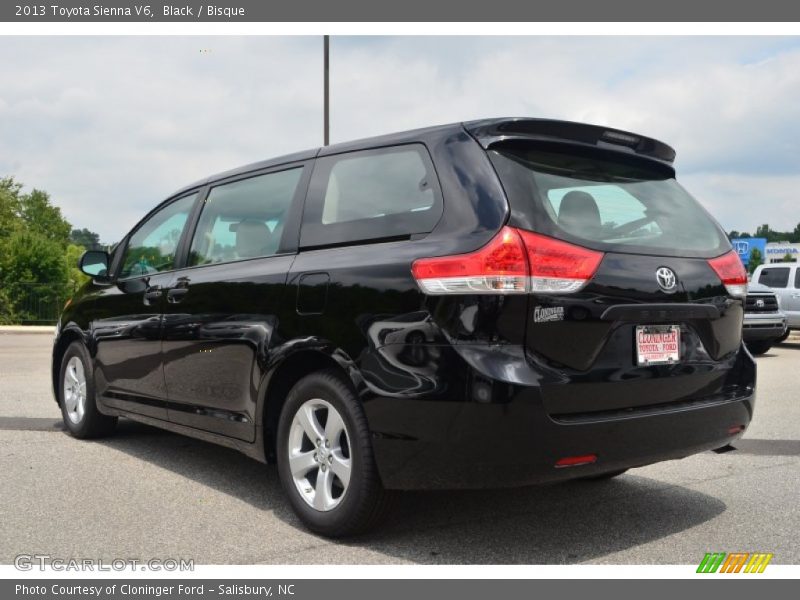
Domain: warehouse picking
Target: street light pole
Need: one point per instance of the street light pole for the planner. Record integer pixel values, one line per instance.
(326, 93)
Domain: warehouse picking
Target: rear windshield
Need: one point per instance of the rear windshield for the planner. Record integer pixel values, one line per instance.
(605, 204)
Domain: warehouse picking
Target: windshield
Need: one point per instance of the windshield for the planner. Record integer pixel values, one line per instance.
(606, 204)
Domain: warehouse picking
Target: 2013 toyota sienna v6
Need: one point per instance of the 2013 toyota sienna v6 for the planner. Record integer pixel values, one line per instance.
(494, 303)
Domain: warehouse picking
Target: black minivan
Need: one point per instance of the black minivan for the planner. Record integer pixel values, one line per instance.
(494, 303)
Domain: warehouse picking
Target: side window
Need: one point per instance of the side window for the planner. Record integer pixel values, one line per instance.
(244, 219)
(797, 278)
(371, 194)
(152, 247)
(774, 277)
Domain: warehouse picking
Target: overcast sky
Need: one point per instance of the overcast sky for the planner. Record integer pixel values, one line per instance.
(110, 126)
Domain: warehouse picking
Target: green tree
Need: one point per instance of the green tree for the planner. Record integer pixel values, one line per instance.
(40, 216)
(9, 206)
(9, 223)
(787, 258)
(86, 238)
(6, 309)
(795, 237)
(75, 277)
(33, 270)
(38, 266)
(756, 258)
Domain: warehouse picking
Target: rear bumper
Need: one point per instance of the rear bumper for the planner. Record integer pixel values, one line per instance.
(513, 441)
(521, 448)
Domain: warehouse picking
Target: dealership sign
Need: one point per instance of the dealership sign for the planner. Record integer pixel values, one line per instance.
(744, 246)
(782, 250)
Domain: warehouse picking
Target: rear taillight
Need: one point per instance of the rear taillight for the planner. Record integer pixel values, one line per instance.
(513, 262)
(500, 267)
(559, 267)
(730, 270)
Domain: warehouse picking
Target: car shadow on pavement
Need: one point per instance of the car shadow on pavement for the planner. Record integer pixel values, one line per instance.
(768, 447)
(789, 346)
(557, 524)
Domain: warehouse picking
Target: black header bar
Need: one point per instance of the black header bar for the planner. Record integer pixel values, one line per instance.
(405, 11)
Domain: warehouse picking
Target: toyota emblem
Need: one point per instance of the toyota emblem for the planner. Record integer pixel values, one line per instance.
(666, 279)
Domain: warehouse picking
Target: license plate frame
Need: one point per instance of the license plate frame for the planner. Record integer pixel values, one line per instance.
(666, 350)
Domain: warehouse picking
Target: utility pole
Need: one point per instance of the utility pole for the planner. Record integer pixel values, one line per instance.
(326, 93)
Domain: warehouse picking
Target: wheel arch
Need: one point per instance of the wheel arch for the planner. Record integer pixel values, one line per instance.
(287, 372)
(65, 338)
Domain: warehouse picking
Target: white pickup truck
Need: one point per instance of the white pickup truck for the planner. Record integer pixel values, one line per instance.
(765, 324)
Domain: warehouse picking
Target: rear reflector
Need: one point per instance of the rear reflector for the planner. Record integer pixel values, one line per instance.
(730, 270)
(513, 262)
(576, 461)
(735, 429)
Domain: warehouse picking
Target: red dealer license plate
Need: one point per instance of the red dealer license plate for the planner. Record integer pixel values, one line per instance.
(658, 344)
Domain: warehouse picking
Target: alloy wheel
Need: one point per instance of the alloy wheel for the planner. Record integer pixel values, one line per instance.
(319, 454)
(75, 390)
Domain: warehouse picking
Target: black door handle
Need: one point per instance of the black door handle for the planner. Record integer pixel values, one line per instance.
(175, 295)
(151, 293)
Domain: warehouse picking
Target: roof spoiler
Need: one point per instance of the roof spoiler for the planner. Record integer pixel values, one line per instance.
(490, 131)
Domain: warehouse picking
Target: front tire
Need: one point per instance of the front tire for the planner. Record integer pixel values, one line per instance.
(76, 396)
(325, 459)
(758, 348)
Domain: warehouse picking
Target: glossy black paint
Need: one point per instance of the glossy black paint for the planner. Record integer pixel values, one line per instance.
(459, 391)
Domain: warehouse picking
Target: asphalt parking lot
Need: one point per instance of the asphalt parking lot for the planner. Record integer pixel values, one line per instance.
(146, 494)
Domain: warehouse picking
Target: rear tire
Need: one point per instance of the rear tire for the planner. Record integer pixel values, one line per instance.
(325, 460)
(76, 396)
(757, 348)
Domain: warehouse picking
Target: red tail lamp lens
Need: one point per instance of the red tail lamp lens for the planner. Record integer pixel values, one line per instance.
(730, 270)
(514, 261)
(557, 266)
(500, 267)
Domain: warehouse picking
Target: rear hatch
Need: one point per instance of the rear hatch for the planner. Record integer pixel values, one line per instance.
(636, 297)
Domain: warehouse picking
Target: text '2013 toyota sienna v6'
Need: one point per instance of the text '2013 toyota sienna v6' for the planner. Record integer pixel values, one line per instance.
(494, 303)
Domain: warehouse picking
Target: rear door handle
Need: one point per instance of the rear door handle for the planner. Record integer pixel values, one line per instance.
(175, 295)
(795, 295)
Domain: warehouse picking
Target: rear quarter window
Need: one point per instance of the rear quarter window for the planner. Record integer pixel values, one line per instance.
(379, 194)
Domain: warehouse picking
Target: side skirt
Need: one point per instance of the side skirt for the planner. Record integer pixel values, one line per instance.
(254, 450)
